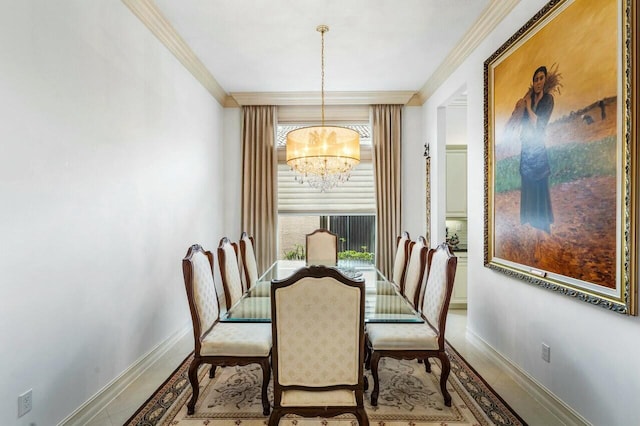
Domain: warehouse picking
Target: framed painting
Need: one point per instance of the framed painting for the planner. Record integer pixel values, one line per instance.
(561, 160)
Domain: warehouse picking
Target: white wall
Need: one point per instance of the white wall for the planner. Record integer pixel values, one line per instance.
(110, 167)
(456, 125)
(594, 352)
(233, 172)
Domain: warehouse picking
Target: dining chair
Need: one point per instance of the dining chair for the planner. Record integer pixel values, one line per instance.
(318, 345)
(220, 343)
(229, 271)
(249, 264)
(423, 340)
(322, 248)
(415, 275)
(401, 259)
(415, 271)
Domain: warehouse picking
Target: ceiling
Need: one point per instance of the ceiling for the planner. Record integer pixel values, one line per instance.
(263, 47)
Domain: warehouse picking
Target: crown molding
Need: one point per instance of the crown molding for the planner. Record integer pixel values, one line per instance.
(229, 102)
(152, 17)
(314, 98)
(490, 18)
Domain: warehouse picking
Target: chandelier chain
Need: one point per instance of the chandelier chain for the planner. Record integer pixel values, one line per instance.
(322, 29)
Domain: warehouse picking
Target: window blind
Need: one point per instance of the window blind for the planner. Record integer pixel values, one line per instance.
(356, 196)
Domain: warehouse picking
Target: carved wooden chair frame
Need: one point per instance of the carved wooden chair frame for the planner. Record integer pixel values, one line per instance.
(214, 361)
(373, 356)
(243, 252)
(224, 241)
(407, 251)
(278, 389)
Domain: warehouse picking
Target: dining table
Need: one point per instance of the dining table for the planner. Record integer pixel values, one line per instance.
(383, 301)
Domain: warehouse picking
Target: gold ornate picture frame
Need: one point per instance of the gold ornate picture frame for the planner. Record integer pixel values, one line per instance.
(561, 184)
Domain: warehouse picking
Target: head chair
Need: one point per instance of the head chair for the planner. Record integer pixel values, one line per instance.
(318, 337)
(322, 248)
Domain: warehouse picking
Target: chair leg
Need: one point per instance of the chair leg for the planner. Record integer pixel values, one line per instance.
(266, 376)
(427, 365)
(361, 415)
(366, 383)
(444, 375)
(274, 418)
(212, 372)
(195, 387)
(375, 359)
(367, 355)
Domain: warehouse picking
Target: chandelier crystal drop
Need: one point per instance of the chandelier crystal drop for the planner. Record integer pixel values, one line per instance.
(323, 156)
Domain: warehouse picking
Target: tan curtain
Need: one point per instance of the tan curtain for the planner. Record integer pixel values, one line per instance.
(259, 169)
(387, 132)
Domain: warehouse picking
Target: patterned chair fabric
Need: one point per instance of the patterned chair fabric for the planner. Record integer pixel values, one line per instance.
(249, 264)
(402, 337)
(400, 261)
(236, 339)
(436, 299)
(229, 271)
(322, 248)
(415, 272)
(318, 345)
(419, 341)
(219, 343)
(205, 299)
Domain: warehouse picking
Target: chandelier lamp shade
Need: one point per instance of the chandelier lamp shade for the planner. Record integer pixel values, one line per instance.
(323, 156)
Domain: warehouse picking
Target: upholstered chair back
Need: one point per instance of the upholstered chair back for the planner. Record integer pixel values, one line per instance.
(415, 273)
(322, 248)
(400, 261)
(220, 343)
(437, 294)
(318, 326)
(249, 264)
(229, 271)
(197, 268)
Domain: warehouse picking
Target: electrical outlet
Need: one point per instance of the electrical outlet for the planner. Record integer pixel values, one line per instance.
(25, 402)
(546, 352)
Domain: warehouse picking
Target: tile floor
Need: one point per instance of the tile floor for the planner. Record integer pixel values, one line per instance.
(122, 407)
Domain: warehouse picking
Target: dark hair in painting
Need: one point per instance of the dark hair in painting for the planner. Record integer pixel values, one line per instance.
(542, 68)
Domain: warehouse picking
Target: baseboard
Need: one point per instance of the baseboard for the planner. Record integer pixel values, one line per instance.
(461, 305)
(555, 405)
(96, 403)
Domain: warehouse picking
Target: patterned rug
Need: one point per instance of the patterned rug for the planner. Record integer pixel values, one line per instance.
(409, 396)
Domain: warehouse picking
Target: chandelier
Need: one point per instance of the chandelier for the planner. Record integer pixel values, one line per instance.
(323, 156)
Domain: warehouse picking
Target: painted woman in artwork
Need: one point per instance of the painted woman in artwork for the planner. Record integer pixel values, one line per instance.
(533, 112)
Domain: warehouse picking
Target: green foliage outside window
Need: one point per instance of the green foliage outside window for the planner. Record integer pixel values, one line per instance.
(297, 253)
(363, 255)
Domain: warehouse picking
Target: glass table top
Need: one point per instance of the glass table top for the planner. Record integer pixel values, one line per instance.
(383, 302)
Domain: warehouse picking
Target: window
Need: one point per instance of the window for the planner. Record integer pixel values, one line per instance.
(348, 210)
(356, 235)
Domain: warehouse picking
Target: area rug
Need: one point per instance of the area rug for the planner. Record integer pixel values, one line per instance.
(409, 396)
